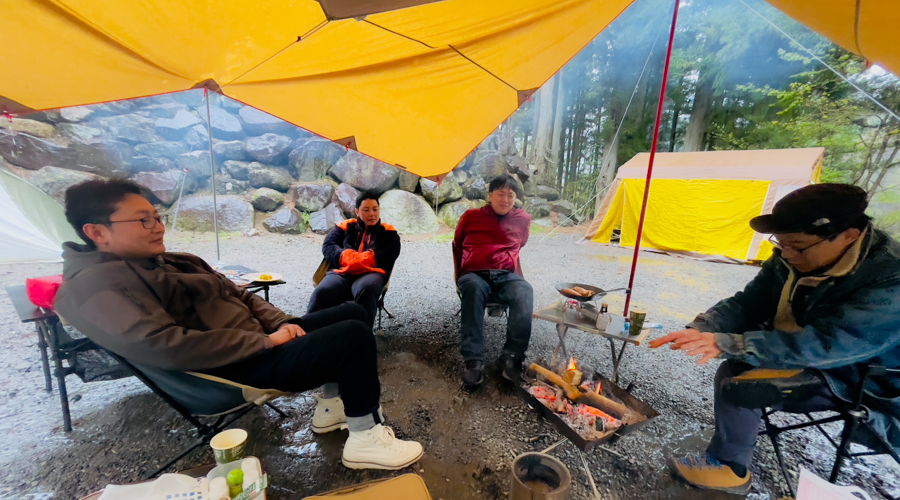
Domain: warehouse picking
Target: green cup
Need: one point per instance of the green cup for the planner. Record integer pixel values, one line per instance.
(637, 321)
(229, 445)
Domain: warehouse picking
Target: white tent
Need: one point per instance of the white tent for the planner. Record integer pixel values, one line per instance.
(32, 225)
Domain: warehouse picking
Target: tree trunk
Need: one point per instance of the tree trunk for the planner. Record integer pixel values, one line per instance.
(544, 129)
(676, 113)
(703, 101)
(557, 122)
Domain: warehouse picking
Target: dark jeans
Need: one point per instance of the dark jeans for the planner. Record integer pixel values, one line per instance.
(338, 347)
(364, 289)
(507, 288)
(737, 427)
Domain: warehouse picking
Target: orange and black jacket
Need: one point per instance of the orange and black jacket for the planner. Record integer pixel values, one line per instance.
(352, 234)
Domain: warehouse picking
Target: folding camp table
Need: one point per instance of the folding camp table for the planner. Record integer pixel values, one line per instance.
(254, 287)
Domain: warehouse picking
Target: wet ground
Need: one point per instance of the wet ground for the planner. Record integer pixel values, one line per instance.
(122, 430)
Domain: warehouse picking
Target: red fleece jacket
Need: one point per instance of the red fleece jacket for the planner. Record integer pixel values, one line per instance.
(485, 240)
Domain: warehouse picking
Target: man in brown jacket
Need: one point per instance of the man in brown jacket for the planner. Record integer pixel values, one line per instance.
(170, 311)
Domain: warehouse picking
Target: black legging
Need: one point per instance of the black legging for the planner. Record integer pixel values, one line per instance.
(338, 347)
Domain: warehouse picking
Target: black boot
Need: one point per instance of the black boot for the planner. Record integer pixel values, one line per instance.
(473, 377)
(511, 367)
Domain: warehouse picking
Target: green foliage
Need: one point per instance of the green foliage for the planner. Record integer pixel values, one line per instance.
(442, 238)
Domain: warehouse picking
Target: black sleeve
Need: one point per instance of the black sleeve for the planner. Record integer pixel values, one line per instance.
(387, 251)
(333, 246)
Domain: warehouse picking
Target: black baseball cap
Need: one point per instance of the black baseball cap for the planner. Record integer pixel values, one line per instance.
(814, 208)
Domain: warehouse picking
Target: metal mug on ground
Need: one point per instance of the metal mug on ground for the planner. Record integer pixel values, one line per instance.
(229, 445)
(536, 476)
(637, 321)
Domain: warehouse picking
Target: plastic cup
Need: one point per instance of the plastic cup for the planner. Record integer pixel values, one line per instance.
(229, 445)
(637, 321)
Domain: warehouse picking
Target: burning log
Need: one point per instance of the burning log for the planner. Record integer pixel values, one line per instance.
(609, 406)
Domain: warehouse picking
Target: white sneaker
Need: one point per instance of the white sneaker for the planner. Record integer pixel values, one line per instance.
(329, 415)
(377, 448)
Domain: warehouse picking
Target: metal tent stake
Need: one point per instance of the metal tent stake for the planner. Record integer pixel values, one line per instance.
(659, 111)
(212, 168)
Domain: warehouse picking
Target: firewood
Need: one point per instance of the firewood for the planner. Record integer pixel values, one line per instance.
(585, 397)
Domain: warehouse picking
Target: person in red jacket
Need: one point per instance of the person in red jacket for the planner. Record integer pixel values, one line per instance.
(486, 255)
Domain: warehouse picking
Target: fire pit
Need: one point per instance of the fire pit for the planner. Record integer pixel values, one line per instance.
(587, 412)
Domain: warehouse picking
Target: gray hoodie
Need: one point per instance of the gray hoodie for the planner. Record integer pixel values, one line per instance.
(171, 312)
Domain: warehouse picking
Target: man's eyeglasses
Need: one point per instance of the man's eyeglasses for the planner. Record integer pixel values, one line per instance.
(775, 243)
(147, 222)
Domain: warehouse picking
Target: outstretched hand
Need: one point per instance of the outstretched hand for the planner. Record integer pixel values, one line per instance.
(693, 342)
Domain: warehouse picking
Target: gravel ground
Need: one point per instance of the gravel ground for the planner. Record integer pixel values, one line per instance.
(122, 429)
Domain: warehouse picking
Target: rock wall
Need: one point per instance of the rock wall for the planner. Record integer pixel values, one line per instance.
(270, 173)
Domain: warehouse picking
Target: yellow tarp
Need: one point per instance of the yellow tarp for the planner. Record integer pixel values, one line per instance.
(418, 87)
(696, 215)
(866, 27)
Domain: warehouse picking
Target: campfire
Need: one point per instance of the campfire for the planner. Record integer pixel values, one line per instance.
(594, 410)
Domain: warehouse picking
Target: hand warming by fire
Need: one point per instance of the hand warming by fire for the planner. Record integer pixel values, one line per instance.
(693, 342)
(581, 405)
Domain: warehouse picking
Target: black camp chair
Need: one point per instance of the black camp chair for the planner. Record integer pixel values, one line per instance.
(210, 404)
(798, 384)
(492, 306)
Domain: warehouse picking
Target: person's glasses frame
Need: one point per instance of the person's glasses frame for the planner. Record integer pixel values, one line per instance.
(775, 243)
(146, 222)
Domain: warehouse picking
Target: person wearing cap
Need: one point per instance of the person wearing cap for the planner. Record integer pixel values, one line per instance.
(827, 302)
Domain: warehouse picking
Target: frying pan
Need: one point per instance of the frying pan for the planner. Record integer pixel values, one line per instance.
(598, 292)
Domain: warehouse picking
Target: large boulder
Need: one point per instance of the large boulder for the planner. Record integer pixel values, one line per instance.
(230, 150)
(142, 163)
(131, 128)
(162, 149)
(197, 137)
(164, 186)
(345, 197)
(257, 122)
(447, 190)
(192, 98)
(227, 185)
(164, 109)
(408, 181)
(365, 173)
(196, 163)
(102, 156)
(324, 220)
(563, 207)
(548, 193)
(30, 127)
(311, 160)
(312, 196)
(529, 187)
(286, 220)
(461, 176)
(33, 153)
(489, 166)
(54, 181)
(175, 128)
(266, 200)
(224, 125)
(76, 114)
(237, 169)
(537, 207)
(517, 165)
(408, 213)
(195, 213)
(450, 213)
(261, 176)
(79, 132)
(269, 148)
(475, 188)
(113, 108)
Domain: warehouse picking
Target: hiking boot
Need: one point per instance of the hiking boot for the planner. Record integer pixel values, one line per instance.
(511, 367)
(329, 415)
(473, 377)
(378, 448)
(706, 472)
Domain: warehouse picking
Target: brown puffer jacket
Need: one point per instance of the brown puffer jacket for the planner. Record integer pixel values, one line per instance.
(172, 312)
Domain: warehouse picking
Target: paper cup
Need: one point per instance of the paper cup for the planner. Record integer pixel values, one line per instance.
(637, 321)
(229, 445)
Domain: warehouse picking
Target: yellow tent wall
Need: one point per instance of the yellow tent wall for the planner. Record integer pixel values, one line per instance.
(701, 203)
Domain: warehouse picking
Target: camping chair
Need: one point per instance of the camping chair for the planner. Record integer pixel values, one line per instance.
(323, 269)
(798, 385)
(198, 397)
(492, 305)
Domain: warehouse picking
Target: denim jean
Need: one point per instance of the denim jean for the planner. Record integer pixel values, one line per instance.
(335, 289)
(506, 287)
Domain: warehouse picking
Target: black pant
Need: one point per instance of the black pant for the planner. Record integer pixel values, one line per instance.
(364, 289)
(509, 289)
(338, 347)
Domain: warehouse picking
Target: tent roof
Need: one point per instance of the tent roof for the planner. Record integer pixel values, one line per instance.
(418, 87)
(760, 164)
(866, 27)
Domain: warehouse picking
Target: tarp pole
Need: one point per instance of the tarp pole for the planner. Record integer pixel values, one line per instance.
(212, 168)
(659, 111)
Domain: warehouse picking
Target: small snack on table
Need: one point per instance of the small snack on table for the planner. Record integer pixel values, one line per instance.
(235, 482)
(265, 277)
(571, 291)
